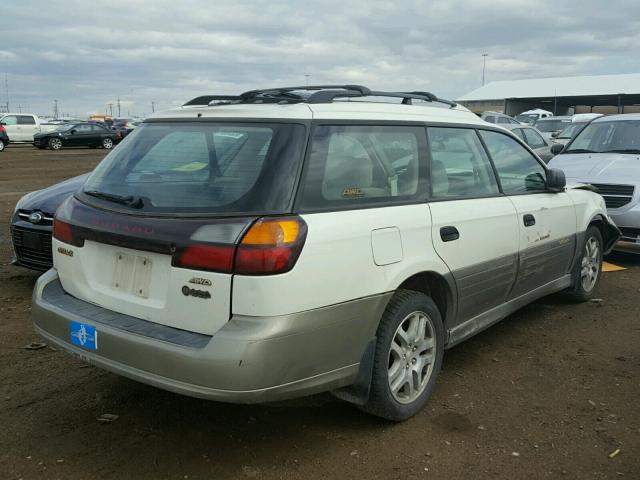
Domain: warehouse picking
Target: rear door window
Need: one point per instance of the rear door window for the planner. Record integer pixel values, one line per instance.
(351, 165)
(490, 119)
(459, 165)
(503, 120)
(26, 120)
(534, 140)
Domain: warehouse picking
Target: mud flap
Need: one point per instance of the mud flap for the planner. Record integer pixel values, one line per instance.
(358, 392)
(611, 234)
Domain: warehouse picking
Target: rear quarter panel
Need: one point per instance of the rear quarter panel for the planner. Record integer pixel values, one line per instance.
(337, 263)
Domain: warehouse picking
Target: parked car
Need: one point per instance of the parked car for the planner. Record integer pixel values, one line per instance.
(532, 137)
(288, 244)
(530, 117)
(76, 135)
(4, 138)
(499, 118)
(578, 122)
(32, 222)
(21, 127)
(606, 154)
(550, 125)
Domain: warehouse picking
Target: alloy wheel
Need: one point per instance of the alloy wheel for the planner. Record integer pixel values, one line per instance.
(107, 143)
(591, 260)
(55, 144)
(411, 357)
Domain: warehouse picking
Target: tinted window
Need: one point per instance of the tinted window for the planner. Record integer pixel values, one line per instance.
(83, 128)
(513, 122)
(518, 170)
(225, 168)
(534, 139)
(351, 165)
(490, 119)
(551, 125)
(503, 120)
(459, 164)
(10, 120)
(98, 129)
(26, 120)
(519, 133)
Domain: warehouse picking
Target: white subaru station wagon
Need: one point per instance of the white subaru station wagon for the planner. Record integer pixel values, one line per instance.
(290, 241)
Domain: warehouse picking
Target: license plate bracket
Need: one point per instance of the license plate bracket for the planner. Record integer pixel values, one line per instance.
(132, 274)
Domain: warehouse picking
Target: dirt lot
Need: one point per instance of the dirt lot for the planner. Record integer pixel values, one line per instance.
(548, 393)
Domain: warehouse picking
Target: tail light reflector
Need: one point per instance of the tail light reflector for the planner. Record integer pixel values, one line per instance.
(217, 258)
(62, 231)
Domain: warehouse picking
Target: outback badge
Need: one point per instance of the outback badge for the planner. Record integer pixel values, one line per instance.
(65, 251)
(186, 291)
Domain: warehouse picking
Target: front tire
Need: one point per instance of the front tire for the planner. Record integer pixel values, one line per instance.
(2, 145)
(55, 143)
(107, 143)
(588, 268)
(408, 357)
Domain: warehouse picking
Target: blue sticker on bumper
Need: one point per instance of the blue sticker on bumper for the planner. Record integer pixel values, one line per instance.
(83, 335)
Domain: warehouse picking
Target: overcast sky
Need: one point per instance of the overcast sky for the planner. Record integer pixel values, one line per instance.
(86, 54)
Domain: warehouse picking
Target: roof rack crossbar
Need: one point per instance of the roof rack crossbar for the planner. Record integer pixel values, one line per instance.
(207, 99)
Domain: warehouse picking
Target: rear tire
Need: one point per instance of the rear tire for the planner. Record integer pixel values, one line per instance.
(107, 143)
(55, 143)
(408, 357)
(588, 268)
(2, 145)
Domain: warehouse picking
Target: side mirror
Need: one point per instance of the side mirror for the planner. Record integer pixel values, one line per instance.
(556, 181)
(73, 132)
(557, 148)
(555, 134)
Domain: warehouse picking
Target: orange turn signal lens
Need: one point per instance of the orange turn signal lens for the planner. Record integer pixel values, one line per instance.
(272, 232)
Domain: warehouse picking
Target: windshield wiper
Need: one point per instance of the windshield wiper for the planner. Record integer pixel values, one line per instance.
(624, 150)
(128, 200)
(580, 150)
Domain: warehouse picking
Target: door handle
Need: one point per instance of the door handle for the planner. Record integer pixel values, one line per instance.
(529, 220)
(449, 234)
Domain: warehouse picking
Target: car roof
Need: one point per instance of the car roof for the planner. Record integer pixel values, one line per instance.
(339, 110)
(559, 117)
(618, 118)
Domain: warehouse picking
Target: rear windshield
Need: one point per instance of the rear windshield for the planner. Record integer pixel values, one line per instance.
(201, 167)
(551, 125)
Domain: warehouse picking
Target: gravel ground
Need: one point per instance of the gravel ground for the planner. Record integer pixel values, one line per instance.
(551, 392)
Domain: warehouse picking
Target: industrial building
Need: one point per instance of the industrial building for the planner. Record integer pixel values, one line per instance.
(605, 94)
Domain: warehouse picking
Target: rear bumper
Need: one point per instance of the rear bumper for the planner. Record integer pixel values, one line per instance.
(249, 360)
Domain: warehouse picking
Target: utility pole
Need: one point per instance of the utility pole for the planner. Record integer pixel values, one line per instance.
(306, 79)
(6, 89)
(118, 107)
(153, 106)
(110, 105)
(55, 109)
(484, 64)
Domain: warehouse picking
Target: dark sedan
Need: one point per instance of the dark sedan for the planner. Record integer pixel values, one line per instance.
(32, 222)
(77, 135)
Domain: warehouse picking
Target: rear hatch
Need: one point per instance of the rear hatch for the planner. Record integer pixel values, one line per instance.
(154, 232)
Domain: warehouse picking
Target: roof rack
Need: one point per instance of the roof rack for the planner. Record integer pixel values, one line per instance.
(315, 94)
(328, 93)
(209, 99)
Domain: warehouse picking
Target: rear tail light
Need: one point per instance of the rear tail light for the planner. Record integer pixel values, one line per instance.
(269, 246)
(62, 231)
(2, 128)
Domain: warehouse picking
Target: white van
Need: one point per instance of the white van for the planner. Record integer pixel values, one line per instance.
(290, 242)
